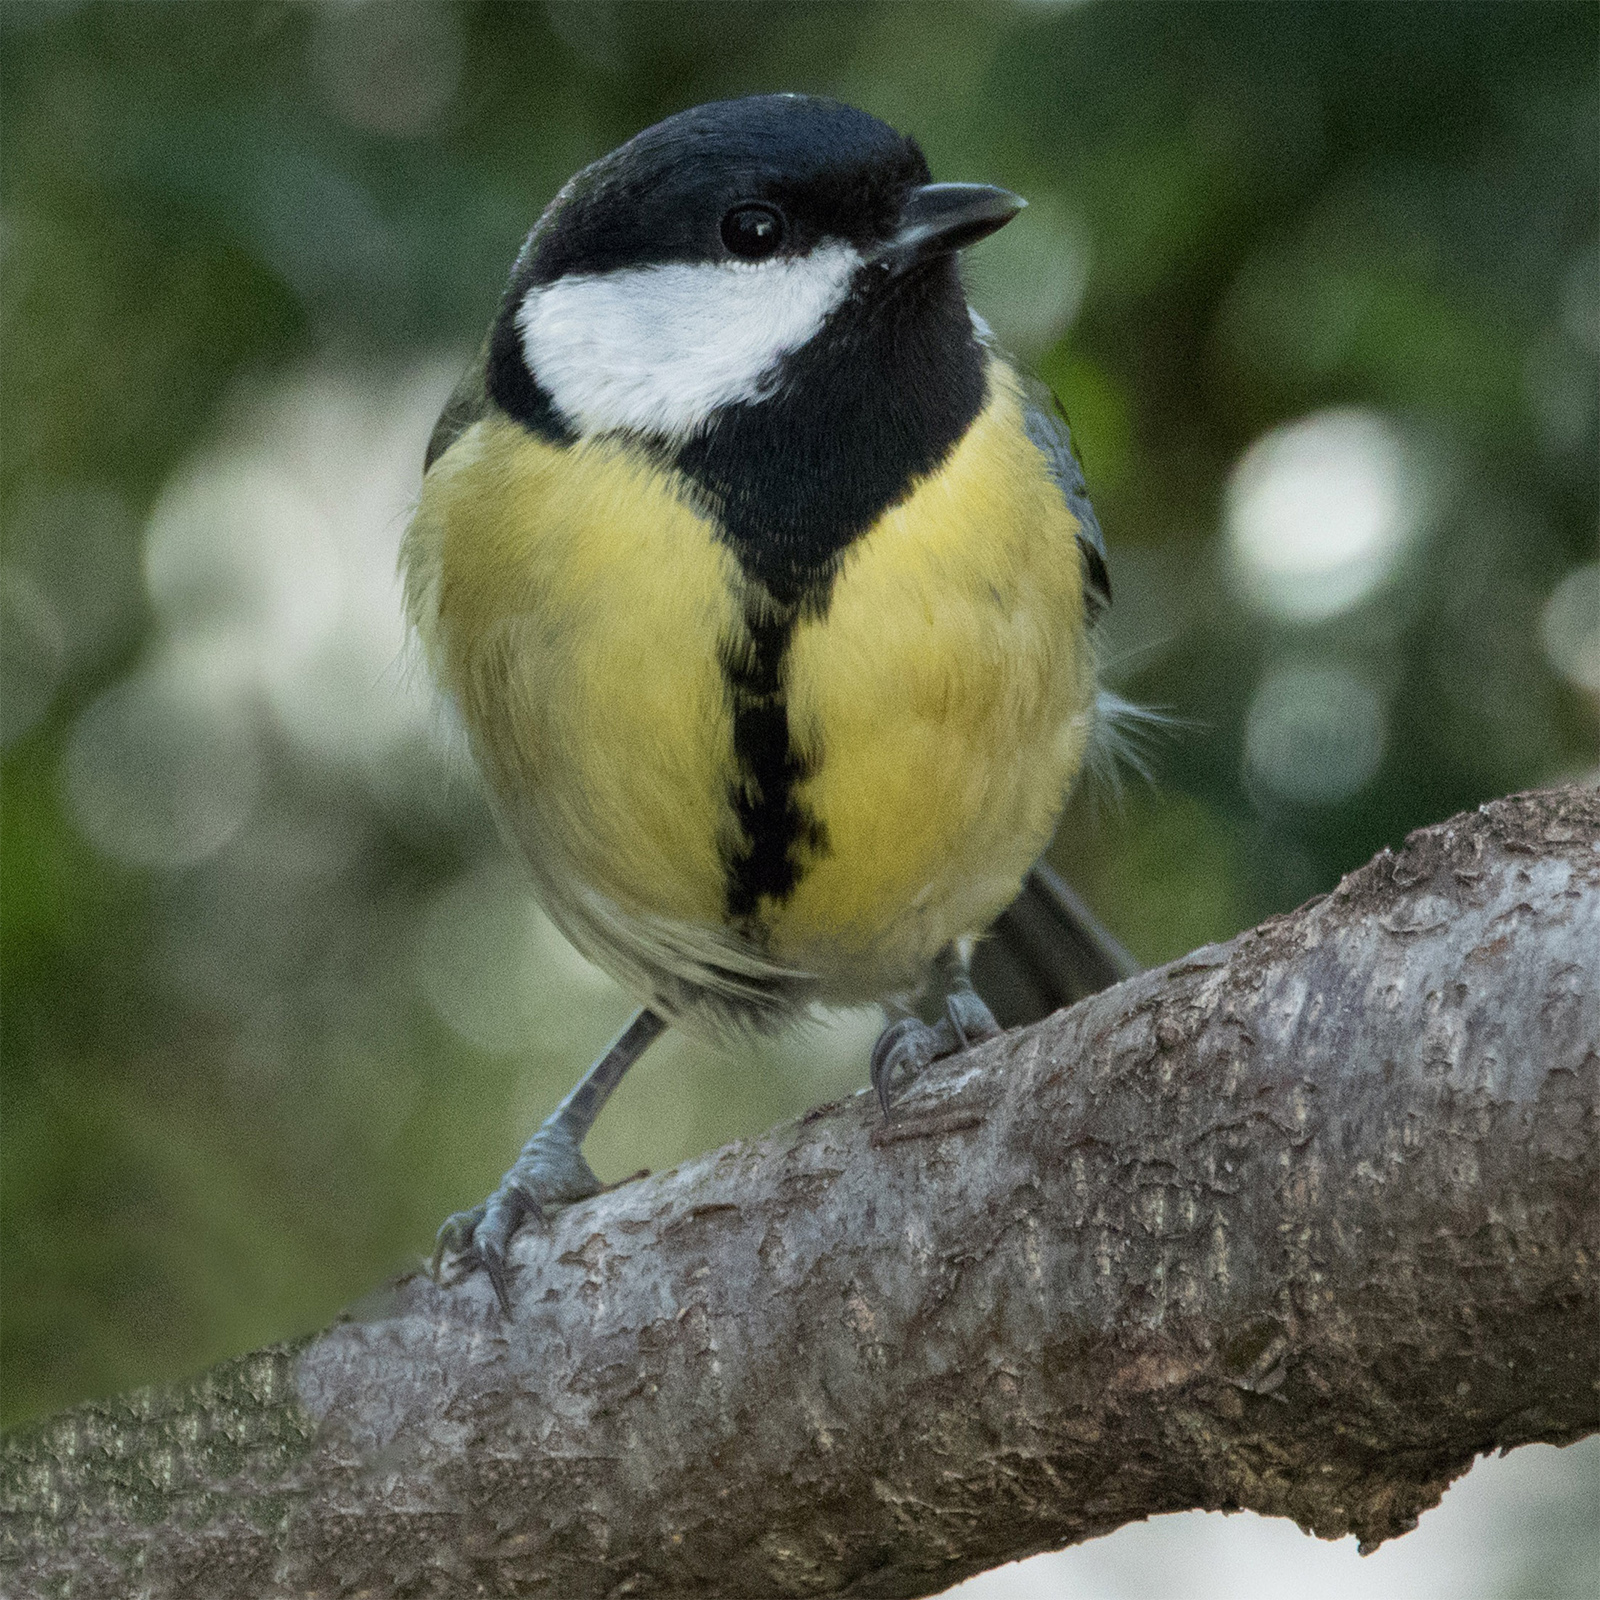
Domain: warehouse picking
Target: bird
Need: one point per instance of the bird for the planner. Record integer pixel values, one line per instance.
(765, 587)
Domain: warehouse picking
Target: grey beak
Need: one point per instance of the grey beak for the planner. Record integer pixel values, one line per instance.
(941, 217)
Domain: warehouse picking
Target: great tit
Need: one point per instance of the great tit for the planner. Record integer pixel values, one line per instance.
(764, 586)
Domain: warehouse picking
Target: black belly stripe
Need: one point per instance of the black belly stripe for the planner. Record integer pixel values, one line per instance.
(779, 835)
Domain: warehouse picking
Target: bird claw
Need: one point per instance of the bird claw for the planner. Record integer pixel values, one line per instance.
(972, 1020)
(905, 1047)
(550, 1172)
(454, 1237)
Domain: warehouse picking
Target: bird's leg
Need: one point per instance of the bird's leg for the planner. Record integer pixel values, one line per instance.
(972, 1020)
(550, 1171)
(908, 1043)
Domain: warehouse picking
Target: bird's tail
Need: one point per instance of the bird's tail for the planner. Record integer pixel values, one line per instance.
(1046, 951)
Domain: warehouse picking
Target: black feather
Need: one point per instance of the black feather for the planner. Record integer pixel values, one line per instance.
(872, 404)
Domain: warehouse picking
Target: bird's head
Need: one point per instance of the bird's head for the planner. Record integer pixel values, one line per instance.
(679, 275)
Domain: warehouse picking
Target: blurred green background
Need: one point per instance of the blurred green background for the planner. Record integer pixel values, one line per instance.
(1317, 284)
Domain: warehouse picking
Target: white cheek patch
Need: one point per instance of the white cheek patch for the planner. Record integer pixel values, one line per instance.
(658, 349)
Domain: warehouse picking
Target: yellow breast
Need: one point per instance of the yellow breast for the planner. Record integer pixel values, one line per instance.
(571, 605)
(581, 613)
(948, 690)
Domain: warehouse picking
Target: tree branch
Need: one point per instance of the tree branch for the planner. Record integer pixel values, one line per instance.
(1300, 1223)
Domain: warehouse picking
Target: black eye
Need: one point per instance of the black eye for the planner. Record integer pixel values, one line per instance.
(752, 232)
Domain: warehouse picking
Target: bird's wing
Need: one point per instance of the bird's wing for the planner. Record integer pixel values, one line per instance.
(1046, 424)
(468, 402)
(1047, 949)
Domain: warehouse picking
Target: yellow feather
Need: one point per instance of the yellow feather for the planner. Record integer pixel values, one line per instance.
(578, 610)
(571, 604)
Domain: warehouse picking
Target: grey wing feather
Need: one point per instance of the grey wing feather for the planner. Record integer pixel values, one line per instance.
(1047, 949)
(468, 402)
(1046, 424)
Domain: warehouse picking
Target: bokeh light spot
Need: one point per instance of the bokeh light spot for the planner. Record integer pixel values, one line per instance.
(1570, 627)
(286, 551)
(160, 771)
(1580, 299)
(1314, 733)
(1318, 513)
(235, 545)
(493, 967)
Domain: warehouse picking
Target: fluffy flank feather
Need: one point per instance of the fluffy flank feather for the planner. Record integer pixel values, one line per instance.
(1124, 738)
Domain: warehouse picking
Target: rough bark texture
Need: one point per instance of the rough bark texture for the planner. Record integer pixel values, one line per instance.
(1300, 1223)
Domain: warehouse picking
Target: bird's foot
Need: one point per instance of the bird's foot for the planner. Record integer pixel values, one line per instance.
(972, 1020)
(551, 1171)
(905, 1047)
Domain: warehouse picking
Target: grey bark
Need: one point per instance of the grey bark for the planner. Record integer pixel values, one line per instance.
(1300, 1223)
